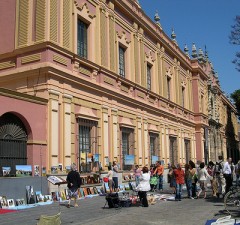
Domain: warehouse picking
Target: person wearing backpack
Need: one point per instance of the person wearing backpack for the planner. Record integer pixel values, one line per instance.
(218, 174)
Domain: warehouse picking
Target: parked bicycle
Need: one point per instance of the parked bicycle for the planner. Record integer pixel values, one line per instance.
(232, 200)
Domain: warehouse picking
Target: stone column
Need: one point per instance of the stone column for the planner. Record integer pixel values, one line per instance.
(139, 141)
(67, 129)
(53, 128)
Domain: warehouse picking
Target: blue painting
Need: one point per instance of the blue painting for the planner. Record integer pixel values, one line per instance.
(154, 159)
(129, 160)
(96, 157)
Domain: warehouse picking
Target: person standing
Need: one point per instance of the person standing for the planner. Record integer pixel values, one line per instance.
(193, 173)
(188, 181)
(137, 173)
(202, 178)
(172, 180)
(110, 178)
(210, 170)
(115, 176)
(218, 172)
(159, 172)
(73, 183)
(144, 186)
(237, 172)
(227, 173)
(179, 176)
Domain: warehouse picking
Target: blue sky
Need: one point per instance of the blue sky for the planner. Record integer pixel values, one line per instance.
(204, 22)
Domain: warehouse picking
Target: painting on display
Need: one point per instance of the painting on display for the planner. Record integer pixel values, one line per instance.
(23, 170)
(154, 159)
(36, 171)
(6, 171)
(68, 169)
(30, 195)
(96, 157)
(54, 169)
(129, 159)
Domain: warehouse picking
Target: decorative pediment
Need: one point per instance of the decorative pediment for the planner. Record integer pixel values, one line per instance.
(183, 83)
(149, 56)
(83, 8)
(169, 71)
(122, 36)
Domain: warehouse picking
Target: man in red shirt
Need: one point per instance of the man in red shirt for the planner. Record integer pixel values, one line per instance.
(159, 172)
(179, 176)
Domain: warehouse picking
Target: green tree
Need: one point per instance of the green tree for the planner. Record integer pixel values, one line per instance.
(235, 40)
(236, 97)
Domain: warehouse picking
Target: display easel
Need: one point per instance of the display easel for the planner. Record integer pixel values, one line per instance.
(57, 181)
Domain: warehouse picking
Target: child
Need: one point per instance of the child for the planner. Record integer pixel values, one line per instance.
(137, 173)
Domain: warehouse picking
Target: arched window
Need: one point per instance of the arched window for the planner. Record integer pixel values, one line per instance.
(13, 143)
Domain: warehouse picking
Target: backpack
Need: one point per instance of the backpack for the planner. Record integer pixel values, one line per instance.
(218, 167)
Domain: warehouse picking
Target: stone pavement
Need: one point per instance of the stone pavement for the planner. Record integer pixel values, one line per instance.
(91, 212)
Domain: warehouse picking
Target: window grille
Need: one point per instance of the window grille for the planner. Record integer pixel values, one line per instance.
(154, 146)
(183, 96)
(88, 146)
(121, 61)
(149, 79)
(82, 39)
(168, 88)
(127, 145)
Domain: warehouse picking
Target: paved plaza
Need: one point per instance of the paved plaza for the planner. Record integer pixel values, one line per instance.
(91, 212)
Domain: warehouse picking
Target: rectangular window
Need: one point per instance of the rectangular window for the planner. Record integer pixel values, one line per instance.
(154, 147)
(82, 39)
(121, 61)
(127, 146)
(87, 143)
(168, 88)
(202, 103)
(183, 96)
(149, 77)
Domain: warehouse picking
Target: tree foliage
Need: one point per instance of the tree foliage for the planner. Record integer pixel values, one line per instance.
(235, 40)
(236, 97)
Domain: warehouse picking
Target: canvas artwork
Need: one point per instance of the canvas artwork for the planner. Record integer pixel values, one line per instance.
(63, 195)
(95, 190)
(23, 170)
(60, 167)
(82, 192)
(30, 195)
(129, 160)
(47, 198)
(44, 171)
(56, 180)
(36, 170)
(54, 169)
(6, 171)
(3, 202)
(55, 196)
(39, 196)
(20, 202)
(10, 203)
(68, 169)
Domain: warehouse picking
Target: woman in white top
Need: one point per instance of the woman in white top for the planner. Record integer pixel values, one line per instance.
(144, 186)
(202, 179)
(110, 178)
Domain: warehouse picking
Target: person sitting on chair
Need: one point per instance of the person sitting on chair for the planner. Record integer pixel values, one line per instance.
(144, 186)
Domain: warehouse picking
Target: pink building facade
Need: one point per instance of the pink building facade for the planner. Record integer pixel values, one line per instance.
(96, 81)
